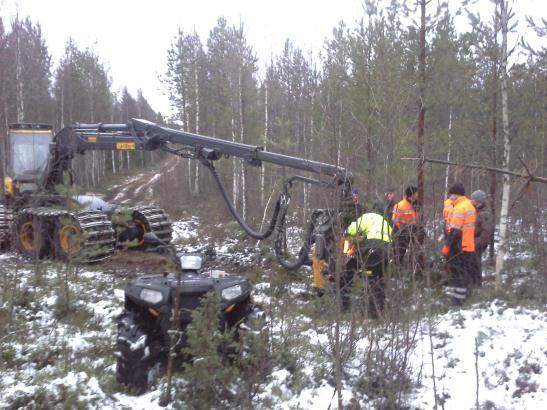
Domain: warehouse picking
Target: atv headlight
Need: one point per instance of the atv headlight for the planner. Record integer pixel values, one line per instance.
(151, 296)
(232, 292)
(191, 262)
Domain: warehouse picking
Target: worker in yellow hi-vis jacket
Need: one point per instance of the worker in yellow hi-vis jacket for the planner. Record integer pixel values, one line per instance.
(368, 244)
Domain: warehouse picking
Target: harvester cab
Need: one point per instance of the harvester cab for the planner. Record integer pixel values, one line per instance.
(28, 153)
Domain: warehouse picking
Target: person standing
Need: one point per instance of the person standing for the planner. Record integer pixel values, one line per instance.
(405, 222)
(460, 244)
(484, 230)
(371, 234)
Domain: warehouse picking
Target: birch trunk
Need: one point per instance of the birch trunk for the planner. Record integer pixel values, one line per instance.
(103, 167)
(62, 105)
(262, 170)
(494, 137)
(113, 162)
(93, 180)
(241, 139)
(189, 179)
(196, 82)
(421, 106)
(506, 146)
(19, 80)
(235, 181)
(447, 171)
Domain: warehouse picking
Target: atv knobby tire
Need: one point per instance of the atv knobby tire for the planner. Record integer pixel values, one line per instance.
(133, 366)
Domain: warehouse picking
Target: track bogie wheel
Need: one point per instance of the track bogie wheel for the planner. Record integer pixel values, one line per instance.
(29, 236)
(68, 239)
(142, 227)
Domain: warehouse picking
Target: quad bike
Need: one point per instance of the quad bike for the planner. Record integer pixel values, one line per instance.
(150, 311)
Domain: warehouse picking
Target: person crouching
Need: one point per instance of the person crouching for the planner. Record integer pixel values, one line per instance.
(371, 235)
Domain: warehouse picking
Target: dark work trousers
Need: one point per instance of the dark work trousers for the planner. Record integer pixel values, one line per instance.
(400, 243)
(476, 280)
(372, 261)
(462, 268)
(409, 236)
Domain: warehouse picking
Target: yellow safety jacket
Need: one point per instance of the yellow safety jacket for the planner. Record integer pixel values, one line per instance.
(372, 225)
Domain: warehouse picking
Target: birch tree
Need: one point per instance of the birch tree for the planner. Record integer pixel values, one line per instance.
(505, 16)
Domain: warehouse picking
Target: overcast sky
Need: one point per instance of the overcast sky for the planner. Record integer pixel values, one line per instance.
(132, 36)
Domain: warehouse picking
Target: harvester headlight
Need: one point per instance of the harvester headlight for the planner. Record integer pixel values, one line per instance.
(151, 296)
(232, 292)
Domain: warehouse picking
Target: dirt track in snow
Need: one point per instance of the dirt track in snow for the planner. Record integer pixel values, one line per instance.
(141, 188)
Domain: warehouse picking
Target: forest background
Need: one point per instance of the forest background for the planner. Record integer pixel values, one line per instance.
(357, 104)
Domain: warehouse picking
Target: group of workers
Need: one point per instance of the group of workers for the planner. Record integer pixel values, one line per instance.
(396, 226)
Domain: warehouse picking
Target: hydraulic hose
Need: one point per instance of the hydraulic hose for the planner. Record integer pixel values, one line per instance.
(248, 230)
(277, 221)
(279, 244)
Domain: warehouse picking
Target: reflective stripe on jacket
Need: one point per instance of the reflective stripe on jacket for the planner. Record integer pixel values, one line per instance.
(404, 213)
(463, 218)
(373, 225)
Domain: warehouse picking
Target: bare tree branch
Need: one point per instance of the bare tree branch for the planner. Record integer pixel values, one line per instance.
(529, 175)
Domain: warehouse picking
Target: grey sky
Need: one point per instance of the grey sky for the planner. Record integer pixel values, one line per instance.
(132, 36)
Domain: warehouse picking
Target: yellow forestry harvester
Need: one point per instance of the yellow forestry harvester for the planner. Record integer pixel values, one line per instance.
(40, 220)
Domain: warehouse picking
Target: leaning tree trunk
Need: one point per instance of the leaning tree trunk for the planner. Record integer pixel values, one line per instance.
(506, 147)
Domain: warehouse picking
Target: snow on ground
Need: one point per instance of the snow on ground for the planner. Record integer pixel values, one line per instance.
(185, 229)
(147, 183)
(509, 346)
(54, 360)
(126, 185)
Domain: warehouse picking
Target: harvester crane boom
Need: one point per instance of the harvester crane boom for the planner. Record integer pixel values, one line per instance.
(140, 134)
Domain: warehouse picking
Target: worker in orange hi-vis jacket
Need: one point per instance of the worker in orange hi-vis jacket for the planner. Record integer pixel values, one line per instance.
(460, 244)
(405, 222)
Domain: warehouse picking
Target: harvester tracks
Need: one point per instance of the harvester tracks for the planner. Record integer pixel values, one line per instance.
(82, 236)
(5, 225)
(155, 220)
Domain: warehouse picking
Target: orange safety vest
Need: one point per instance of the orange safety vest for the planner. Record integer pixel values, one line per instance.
(404, 213)
(463, 217)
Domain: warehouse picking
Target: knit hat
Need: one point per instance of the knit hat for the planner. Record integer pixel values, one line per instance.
(355, 191)
(410, 190)
(479, 197)
(457, 189)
